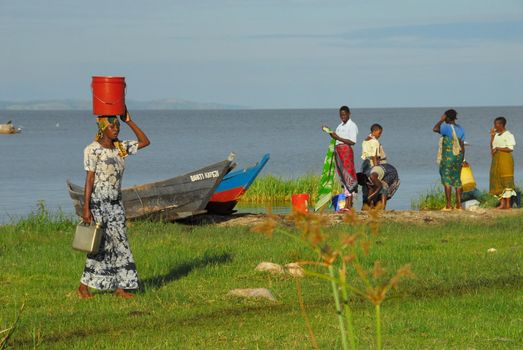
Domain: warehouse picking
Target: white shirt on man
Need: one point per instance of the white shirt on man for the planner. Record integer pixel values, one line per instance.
(505, 140)
(373, 148)
(348, 130)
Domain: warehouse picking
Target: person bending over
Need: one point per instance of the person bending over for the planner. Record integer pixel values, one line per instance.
(379, 185)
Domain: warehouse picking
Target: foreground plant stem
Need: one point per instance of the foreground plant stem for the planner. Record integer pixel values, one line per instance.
(304, 314)
(378, 326)
(348, 311)
(336, 293)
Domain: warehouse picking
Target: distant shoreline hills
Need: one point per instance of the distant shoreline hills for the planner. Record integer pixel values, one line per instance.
(175, 104)
(71, 104)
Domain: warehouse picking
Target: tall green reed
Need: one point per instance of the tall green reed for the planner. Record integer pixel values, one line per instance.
(272, 188)
(342, 260)
(7, 333)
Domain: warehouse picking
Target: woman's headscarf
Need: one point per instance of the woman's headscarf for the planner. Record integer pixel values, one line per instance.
(103, 123)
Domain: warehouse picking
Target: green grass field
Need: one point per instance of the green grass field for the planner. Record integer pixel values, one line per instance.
(463, 296)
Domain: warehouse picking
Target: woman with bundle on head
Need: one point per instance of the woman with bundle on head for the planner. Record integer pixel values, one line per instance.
(112, 267)
(345, 135)
(502, 144)
(451, 155)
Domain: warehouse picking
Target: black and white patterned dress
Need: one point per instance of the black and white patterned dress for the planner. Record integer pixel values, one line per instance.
(113, 266)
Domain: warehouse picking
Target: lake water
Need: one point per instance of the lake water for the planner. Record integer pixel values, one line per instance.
(35, 164)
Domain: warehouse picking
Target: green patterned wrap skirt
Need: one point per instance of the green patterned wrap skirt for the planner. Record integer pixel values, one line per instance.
(450, 165)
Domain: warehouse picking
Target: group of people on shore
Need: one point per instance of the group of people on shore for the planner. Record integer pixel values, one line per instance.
(113, 268)
(379, 180)
(451, 159)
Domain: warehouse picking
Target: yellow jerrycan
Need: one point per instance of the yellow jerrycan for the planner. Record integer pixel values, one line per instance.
(467, 178)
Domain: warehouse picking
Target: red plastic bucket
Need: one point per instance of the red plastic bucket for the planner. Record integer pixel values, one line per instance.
(300, 203)
(108, 95)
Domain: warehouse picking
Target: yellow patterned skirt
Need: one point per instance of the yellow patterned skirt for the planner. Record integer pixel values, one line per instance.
(502, 175)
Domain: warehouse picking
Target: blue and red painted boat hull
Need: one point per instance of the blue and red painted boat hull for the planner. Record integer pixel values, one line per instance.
(233, 187)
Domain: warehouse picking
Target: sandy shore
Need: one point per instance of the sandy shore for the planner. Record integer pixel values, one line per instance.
(406, 216)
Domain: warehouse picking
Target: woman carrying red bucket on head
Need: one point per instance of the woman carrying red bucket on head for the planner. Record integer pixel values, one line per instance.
(345, 135)
(108, 95)
(112, 267)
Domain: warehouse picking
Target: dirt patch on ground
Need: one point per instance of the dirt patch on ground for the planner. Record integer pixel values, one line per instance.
(407, 216)
(438, 217)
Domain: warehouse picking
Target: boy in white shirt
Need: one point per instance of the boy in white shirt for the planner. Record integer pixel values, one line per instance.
(372, 151)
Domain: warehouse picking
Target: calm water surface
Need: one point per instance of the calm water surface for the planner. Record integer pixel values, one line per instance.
(34, 165)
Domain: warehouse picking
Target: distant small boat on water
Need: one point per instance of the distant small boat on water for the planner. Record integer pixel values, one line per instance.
(233, 187)
(168, 200)
(9, 128)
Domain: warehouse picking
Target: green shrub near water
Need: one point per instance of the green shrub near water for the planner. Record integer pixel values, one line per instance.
(434, 199)
(274, 189)
(270, 188)
(42, 219)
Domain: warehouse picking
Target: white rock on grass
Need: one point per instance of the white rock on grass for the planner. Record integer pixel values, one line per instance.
(471, 205)
(263, 293)
(492, 250)
(270, 267)
(295, 270)
(292, 269)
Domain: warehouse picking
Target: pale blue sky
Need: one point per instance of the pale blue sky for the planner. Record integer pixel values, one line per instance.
(268, 54)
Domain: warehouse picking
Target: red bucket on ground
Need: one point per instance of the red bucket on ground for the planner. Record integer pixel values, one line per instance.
(300, 203)
(108, 95)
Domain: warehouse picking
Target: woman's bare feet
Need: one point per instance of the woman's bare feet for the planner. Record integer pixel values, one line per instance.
(119, 292)
(83, 292)
(505, 204)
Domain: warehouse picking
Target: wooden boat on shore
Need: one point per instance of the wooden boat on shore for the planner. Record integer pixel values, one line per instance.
(9, 128)
(168, 200)
(233, 187)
